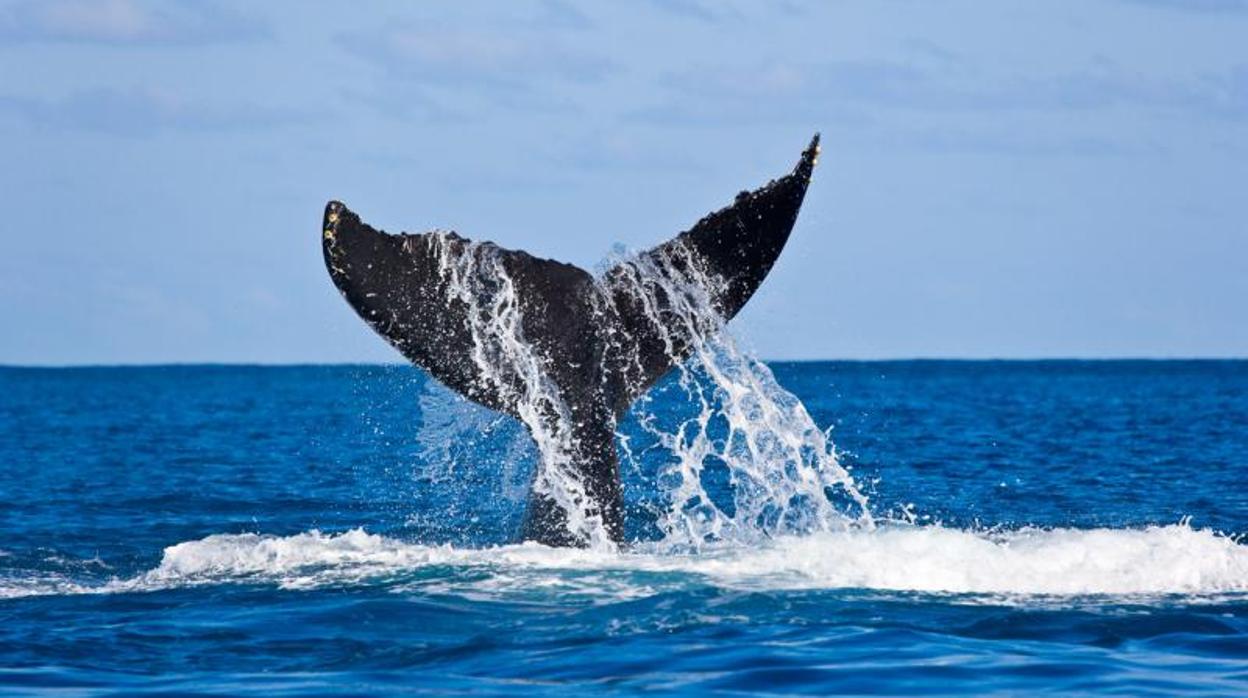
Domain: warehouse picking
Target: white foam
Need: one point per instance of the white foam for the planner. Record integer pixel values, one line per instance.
(306, 555)
(1153, 560)
(1156, 560)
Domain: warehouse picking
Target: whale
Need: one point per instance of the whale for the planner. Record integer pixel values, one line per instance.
(564, 351)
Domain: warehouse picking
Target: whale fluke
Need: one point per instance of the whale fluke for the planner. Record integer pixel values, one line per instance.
(550, 344)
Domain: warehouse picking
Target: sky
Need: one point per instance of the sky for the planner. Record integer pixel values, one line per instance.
(1010, 179)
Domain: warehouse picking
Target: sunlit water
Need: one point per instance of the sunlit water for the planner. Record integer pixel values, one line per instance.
(1059, 526)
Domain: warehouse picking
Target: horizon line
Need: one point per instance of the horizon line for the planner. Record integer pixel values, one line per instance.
(401, 364)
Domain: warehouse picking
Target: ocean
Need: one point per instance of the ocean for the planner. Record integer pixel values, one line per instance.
(1009, 527)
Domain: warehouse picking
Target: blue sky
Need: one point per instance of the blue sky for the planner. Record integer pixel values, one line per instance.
(1000, 179)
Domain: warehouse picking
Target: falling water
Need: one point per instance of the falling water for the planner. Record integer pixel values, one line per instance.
(476, 276)
(783, 472)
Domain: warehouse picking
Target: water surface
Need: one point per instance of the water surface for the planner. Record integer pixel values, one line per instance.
(1060, 526)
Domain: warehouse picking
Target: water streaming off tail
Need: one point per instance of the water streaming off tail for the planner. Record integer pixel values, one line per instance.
(739, 460)
(516, 370)
(734, 457)
(742, 459)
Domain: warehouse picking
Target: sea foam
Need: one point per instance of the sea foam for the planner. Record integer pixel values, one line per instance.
(1155, 560)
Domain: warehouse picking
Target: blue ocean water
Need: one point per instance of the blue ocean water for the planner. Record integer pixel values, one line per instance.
(1070, 527)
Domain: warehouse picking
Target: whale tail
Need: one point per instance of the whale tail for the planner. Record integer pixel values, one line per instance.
(549, 344)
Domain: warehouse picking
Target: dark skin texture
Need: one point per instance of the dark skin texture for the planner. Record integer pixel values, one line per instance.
(597, 346)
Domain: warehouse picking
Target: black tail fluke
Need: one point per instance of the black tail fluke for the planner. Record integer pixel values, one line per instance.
(728, 253)
(589, 347)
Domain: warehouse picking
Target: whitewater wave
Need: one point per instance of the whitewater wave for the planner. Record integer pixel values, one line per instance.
(1156, 560)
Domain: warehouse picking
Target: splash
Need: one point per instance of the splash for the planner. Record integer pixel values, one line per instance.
(782, 472)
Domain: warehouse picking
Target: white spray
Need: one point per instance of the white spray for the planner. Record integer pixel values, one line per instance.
(783, 470)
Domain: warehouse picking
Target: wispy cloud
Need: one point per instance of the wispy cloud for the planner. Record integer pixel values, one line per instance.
(442, 74)
(1233, 87)
(561, 14)
(1002, 142)
(693, 9)
(616, 151)
(1198, 6)
(408, 102)
(126, 22)
(801, 90)
(141, 112)
(477, 58)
